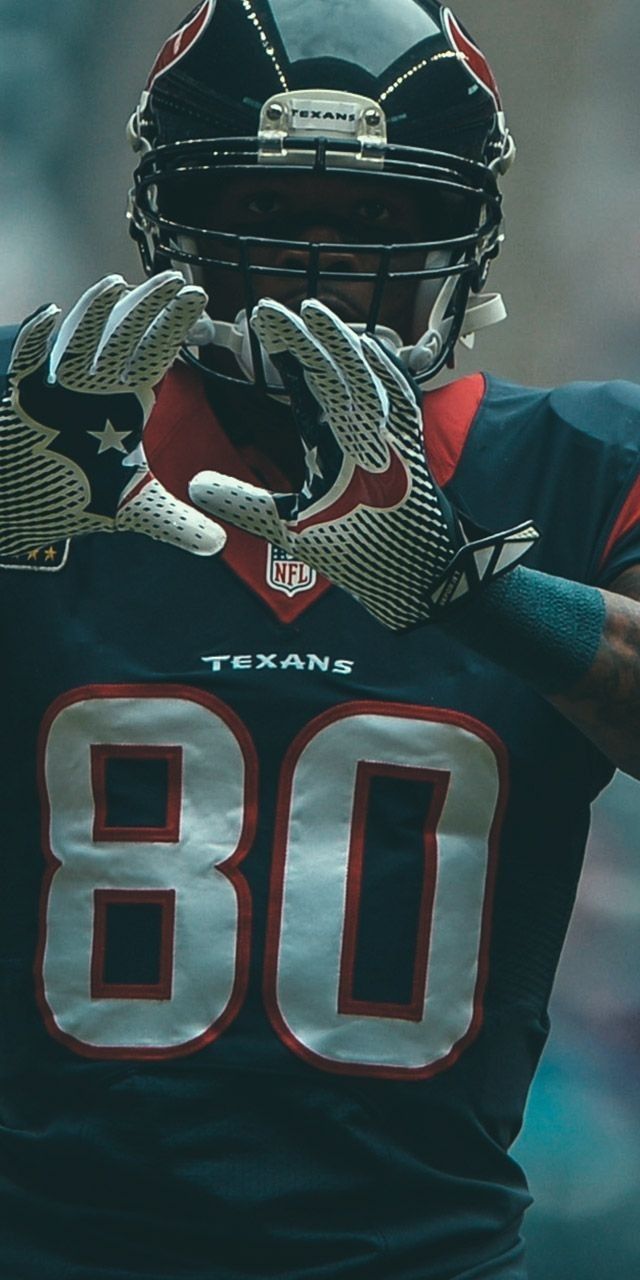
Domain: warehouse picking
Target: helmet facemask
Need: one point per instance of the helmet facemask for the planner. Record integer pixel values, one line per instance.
(315, 135)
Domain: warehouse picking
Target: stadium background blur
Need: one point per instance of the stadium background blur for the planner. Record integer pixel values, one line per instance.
(70, 73)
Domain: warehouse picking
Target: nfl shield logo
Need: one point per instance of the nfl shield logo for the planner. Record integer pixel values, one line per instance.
(288, 575)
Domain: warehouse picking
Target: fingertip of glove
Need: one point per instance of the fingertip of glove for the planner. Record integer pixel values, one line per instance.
(43, 316)
(198, 481)
(194, 291)
(187, 309)
(192, 302)
(33, 340)
(50, 311)
(166, 277)
(267, 310)
(107, 282)
(265, 305)
(201, 487)
(314, 307)
(213, 541)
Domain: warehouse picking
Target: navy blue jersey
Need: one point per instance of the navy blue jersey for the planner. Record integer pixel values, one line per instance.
(283, 892)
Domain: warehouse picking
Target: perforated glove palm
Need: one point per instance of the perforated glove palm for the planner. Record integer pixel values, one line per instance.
(370, 516)
(71, 427)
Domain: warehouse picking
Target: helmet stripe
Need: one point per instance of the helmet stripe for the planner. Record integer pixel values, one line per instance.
(474, 59)
(182, 41)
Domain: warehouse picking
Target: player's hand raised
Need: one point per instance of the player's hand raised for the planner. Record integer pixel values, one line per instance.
(71, 456)
(370, 516)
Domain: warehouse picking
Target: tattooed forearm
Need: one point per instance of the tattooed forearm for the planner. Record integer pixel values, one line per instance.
(605, 703)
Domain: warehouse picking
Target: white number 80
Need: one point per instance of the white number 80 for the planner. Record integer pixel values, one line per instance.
(191, 869)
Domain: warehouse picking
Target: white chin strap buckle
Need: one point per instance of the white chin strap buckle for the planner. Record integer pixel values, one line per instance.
(423, 356)
(235, 338)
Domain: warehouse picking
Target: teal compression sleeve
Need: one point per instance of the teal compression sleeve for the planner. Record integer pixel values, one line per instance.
(546, 630)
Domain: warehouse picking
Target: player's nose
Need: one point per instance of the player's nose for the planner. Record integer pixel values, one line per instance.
(334, 258)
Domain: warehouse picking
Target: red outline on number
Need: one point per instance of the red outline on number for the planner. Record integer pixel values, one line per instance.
(170, 833)
(228, 868)
(161, 990)
(413, 1010)
(283, 1031)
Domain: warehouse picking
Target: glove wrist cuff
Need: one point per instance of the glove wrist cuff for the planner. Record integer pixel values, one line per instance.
(478, 563)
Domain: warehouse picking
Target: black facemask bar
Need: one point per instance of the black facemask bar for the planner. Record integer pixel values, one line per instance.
(161, 239)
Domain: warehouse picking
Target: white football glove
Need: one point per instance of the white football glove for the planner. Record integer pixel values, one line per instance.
(370, 516)
(71, 457)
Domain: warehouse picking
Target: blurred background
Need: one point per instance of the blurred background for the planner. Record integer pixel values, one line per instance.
(70, 74)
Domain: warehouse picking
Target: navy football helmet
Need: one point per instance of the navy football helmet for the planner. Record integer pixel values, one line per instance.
(392, 90)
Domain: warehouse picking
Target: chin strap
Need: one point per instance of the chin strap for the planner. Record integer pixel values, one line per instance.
(485, 310)
(482, 311)
(235, 338)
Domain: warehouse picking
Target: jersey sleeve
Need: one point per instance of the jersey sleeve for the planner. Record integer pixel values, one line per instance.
(622, 549)
(567, 459)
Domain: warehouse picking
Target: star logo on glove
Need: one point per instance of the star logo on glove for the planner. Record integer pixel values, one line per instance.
(110, 438)
(375, 522)
(379, 490)
(314, 472)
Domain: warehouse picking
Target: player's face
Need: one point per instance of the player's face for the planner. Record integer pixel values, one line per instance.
(337, 210)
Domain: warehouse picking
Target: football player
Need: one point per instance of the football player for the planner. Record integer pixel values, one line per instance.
(292, 832)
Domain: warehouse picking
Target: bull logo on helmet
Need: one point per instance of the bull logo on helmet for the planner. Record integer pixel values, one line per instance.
(474, 59)
(182, 40)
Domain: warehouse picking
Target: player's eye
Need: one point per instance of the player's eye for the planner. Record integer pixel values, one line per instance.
(264, 204)
(373, 213)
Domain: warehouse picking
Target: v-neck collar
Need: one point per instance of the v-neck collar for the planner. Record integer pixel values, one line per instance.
(185, 436)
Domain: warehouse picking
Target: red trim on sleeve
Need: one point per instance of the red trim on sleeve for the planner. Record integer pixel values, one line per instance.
(449, 414)
(628, 518)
